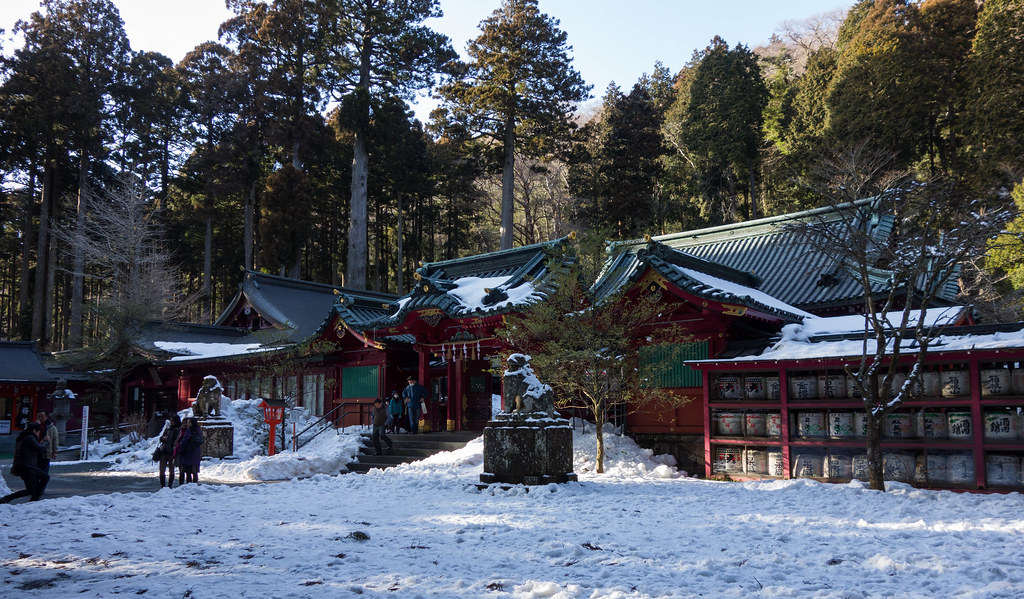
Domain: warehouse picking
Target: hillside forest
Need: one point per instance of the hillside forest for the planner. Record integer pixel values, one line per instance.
(288, 145)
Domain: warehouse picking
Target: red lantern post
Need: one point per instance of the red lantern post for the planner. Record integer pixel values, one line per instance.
(273, 413)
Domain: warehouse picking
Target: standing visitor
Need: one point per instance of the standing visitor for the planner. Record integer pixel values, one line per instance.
(415, 396)
(165, 449)
(49, 431)
(28, 450)
(189, 451)
(379, 419)
(395, 410)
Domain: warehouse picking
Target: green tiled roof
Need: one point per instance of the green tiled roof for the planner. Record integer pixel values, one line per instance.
(790, 268)
(437, 282)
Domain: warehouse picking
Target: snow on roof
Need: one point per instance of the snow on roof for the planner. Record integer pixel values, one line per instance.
(839, 325)
(472, 290)
(200, 351)
(798, 340)
(741, 291)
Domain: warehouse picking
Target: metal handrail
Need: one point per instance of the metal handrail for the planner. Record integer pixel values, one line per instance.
(344, 407)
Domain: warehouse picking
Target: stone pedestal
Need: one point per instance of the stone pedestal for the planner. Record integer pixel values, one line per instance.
(529, 451)
(218, 438)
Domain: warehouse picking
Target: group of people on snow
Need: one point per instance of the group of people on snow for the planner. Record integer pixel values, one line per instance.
(396, 412)
(181, 446)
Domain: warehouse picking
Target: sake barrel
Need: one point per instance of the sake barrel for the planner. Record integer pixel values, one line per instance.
(831, 386)
(860, 467)
(810, 424)
(729, 460)
(729, 386)
(954, 383)
(775, 466)
(730, 424)
(839, 467)
(933, 425)
(802, 388)
(755, 461)
(754, 424)
(996, 381)
(1001, 425)
(1002, 470)
(960, 426)
(898, 425)
(754, 387)
(936, 465)
(773, 424)
(1017, 378)
(807, 465)
(898, 467)
(931, 384)
(898, 380)
(840, 425)
(920, 469)
(860, 424)
(773, 387)
(851, 387)
(960, 469)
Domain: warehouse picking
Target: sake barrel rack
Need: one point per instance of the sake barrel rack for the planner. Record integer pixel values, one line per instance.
(962, 426)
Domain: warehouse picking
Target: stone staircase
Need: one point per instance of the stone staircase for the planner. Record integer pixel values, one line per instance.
(407, 448)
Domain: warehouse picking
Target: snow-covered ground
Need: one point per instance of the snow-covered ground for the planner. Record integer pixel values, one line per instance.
(642, 529)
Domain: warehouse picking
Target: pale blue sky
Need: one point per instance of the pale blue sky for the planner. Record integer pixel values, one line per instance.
(613, 40)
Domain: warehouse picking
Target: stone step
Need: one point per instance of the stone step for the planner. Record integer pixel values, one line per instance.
(407, 448)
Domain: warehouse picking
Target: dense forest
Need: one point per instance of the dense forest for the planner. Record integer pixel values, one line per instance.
(288, 145)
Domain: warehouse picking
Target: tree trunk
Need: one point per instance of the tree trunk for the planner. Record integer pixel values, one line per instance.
(42, 253)
(78, 267)
(355, 270)
(876, 473)
(508, 184)
(399, 262)
(24, 323)
(249, 219)
(207, 268)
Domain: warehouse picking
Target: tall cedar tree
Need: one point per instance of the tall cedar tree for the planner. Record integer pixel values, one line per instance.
(996, 78)
(934, 231)
(878, 92)
(588, 348)
(380, 50)
(716, 123)
(519, 87)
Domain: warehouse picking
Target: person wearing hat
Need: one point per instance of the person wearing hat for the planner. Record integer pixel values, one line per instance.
(379, 418)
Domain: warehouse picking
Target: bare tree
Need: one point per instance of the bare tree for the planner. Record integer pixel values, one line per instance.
(904, 246)
(121, 243)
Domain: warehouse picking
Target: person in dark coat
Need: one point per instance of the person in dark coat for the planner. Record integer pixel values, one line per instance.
(395, 410)
(379, 418)
(415, 396)
(28, 451)
(165, 448)
(188, 451)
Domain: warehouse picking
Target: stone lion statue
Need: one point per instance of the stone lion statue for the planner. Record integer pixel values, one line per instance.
(208, 399)
(524, 393)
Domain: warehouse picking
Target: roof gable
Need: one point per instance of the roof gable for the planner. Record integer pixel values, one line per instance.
(23, 363)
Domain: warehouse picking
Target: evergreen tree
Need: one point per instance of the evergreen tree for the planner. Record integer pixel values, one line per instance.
(716, 125)
(995, 132)
(381, 50)
(880, 81)
(519, 90)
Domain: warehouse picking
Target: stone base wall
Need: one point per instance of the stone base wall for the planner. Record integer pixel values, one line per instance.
(527, 452)
(218, 438)
(688, 450)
